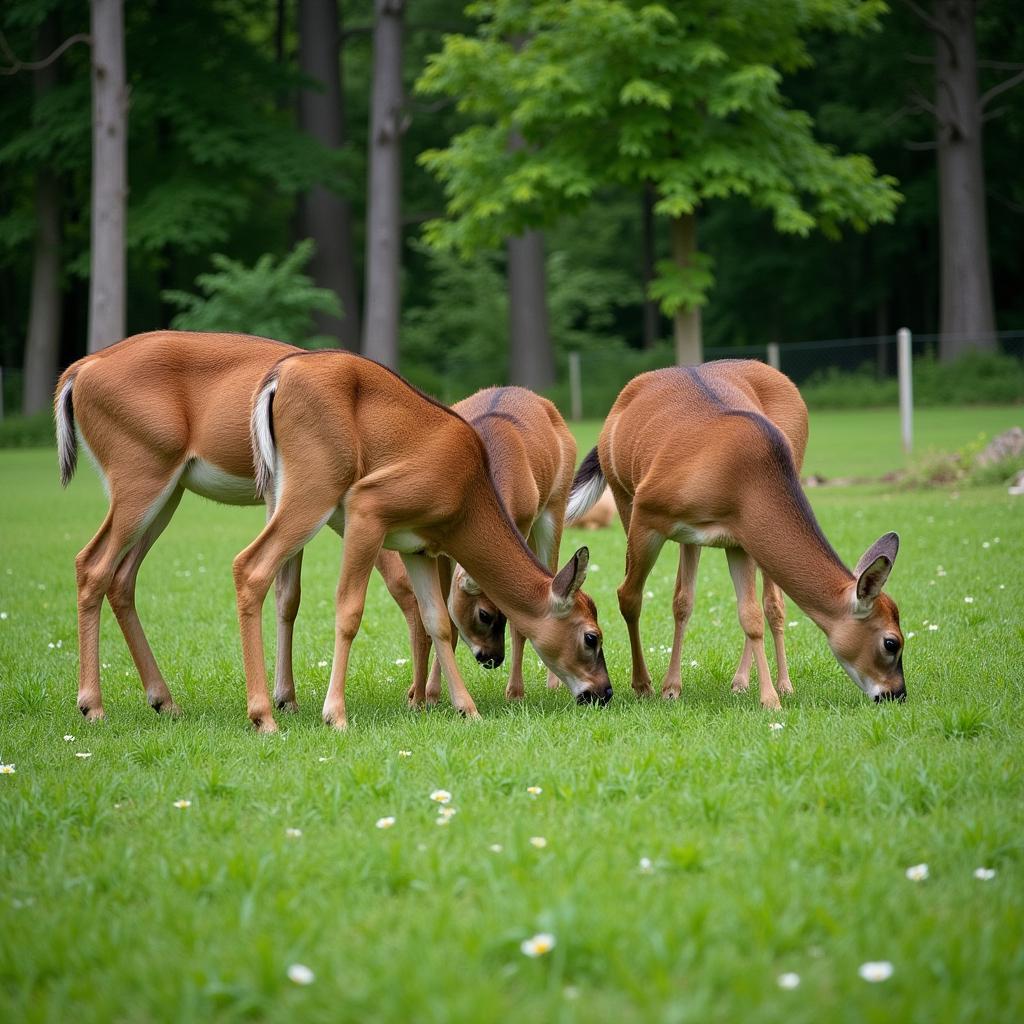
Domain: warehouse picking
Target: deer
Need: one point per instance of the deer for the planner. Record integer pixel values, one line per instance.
(161, 413)
(532, 456)
(692, 455)
(342, 440)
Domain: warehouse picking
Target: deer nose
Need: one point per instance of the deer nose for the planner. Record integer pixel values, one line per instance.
(490, 660)
(900, 695)
(595, 696)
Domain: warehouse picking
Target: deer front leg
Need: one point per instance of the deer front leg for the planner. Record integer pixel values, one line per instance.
(682, 609)
(424, 578)
(445, 571)
(514, 689)
(775, 612)
(546, 539)
(390, 567)
(642, 547)
(743, 571)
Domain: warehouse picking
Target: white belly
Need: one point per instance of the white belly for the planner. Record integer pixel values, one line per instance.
(206, 479)
(704, 536)
(401, 540)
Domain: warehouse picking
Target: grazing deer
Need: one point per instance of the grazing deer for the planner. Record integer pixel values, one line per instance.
(159, 414)
(532, 455)
(341, 440)
(691, 455)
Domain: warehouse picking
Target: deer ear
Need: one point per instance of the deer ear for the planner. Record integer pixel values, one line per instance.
(571, 576)
(468, 585)
(874, 567)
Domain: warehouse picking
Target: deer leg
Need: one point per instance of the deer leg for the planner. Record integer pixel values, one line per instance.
(121, 595)
(287, 593)
(548, 539)
(363, 538)
(390, 567)
(423, 575)
(775, 612)
(295, 521)
(642, 548)
(133, 508)
(741, 677)
(682, 609)
(445, 571)
(743, 570)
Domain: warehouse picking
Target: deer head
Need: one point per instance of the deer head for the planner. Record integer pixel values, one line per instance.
(568, 638)
(866, 639)
(478, 619)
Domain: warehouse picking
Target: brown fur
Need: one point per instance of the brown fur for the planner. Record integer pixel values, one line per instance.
(713, 449)
(148, 407)
(353, 438)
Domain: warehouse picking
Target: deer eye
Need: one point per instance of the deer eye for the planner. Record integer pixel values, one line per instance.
(892, 645)
(591, 640)
(485, 617)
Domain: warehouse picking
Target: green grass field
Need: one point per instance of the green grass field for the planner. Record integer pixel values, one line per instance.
(771, 851)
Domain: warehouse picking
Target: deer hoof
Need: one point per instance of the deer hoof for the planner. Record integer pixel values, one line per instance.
(291, 705)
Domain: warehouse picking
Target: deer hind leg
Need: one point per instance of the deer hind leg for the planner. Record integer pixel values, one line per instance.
(363, 538)
(743, 570)
(445, 571)
(133, 508)
(775, 612)
(390, 567)
(121, 595)
(643, 545)
(423, 575)
(287, 595)
(295, 521)
(682, 609)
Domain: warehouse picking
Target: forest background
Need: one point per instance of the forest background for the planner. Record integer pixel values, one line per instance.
(431, 155)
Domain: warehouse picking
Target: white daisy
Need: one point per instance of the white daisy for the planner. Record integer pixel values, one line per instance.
(876, 970)
(84, 754)
(968, 600)
(182, 804)
(789, 980)
(538, 945)
(293, 833)
(6, 769)
(538, 841)
(300, 974)
(534, 790)
(984, 874)
(68, 738)
(495, 847)
(776, 726)
(646, 866)
(405, 753)
(441, 796)
(917, 873)
(387, 822)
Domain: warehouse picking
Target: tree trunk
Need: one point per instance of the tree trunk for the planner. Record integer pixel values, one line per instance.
(689, 347)
(42, 344)
(324, 215)
(652, 316)
(109, 175)
(383, 221)
(966, 316)
(531, 361)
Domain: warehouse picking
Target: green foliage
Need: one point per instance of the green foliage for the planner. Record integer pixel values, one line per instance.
(603, 92)
(27, 431)
(271, 299)
(974, 379)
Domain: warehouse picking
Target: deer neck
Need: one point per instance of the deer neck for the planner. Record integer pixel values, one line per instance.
(488, 546)
(783, 536)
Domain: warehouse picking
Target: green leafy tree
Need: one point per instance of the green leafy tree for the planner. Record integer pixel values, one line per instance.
(684, 96)
(271, 299)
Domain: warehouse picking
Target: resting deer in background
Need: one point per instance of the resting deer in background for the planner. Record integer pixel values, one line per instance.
(532, 456)
(162, 413)
(339, 439)
(691, 456)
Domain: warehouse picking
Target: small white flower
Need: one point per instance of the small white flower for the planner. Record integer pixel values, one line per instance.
(3, 615)
(911, 634)
(6, 769)
(495, 847)
(932, 627)
(534, 790)
(917, 872)
(445, 814)
(401, 661)
(649, 593)
(441, 796)
(84, 753)
(571, 992)
(387, 822)
(300, 974)
(182, 804)
(538, 945)
(793, 624)
(968, 600)
(789, 980)
(985, 544)
(776, 726)
(293, 833)
(322, 759)
(646, 866)
(51, 645)
(405, 753)
(322, 663)
(984, 874)
(595, 568)
(538, 841)
(68, 738)
(694, 664)
(876, 970)
(941, 572)
(1002, 586)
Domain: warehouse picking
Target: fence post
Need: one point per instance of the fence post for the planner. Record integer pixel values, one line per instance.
(575, 387)
(906, 388)
(773, 355)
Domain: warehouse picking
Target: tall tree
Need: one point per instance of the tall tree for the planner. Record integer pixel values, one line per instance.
(531, 361)
(683, 95)
(384, 187)
(966, 310)
(109, 176)
(42, 343)
(325, 214)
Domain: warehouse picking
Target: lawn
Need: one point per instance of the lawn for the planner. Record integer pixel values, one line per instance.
(771, 850)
